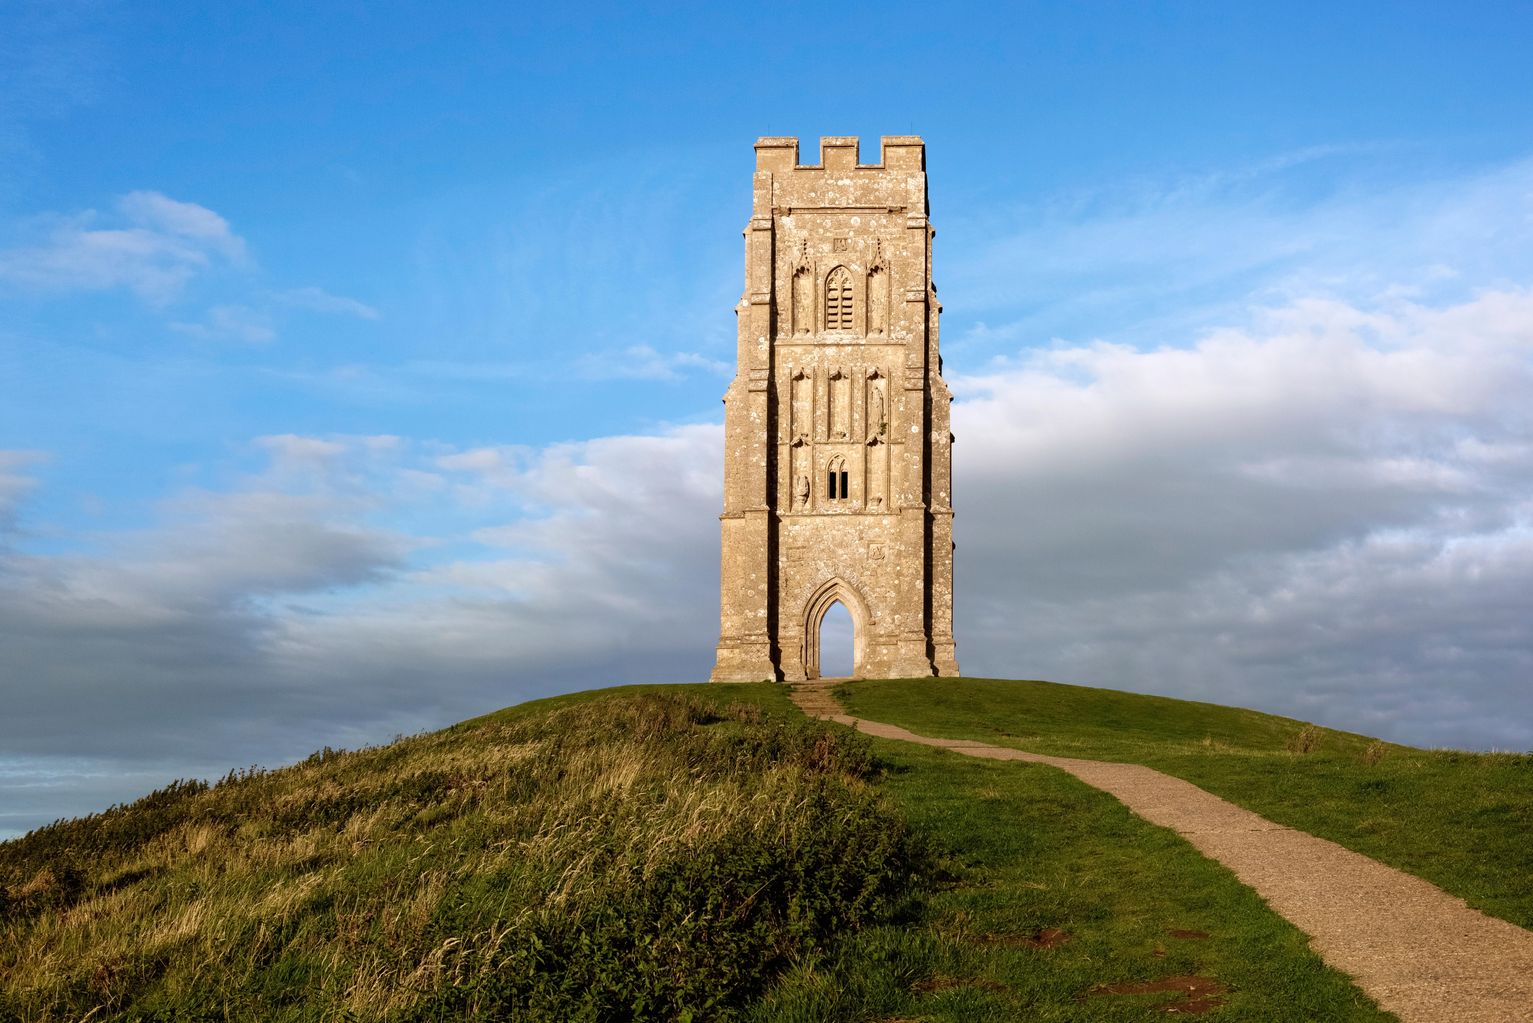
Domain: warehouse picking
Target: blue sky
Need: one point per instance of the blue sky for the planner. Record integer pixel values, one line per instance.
(361, 366)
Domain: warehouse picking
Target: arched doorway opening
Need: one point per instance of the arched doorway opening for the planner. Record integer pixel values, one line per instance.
(837, 600)
(836, 637)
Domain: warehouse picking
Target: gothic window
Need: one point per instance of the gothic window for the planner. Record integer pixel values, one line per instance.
(838, 300)
(835, 479)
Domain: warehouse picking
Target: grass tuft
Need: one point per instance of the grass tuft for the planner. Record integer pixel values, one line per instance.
(1305, 740)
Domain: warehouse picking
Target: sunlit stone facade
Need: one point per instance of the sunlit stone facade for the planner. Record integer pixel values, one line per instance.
(838, 450)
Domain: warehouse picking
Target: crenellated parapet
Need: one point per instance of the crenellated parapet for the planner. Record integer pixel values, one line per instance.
(840, 153)
(896, 184)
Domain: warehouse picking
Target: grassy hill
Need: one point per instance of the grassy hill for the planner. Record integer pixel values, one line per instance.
(629, 855)
(1463, 821)
(704, 853)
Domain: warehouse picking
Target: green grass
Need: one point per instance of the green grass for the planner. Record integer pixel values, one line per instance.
(1031, 851)
(1463, 821)
(633, 855)
(649, 853)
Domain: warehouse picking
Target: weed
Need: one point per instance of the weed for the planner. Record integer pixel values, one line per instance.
(1305, 740)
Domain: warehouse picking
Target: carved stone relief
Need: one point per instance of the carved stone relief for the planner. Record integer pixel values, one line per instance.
(878, 409)
(838, 401)
(803, 292)
(878, 303)
(878, 292)
(803, 303)
(800, 406)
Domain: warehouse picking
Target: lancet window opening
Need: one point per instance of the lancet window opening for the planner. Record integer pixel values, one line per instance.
(838, 300)
(836, 479)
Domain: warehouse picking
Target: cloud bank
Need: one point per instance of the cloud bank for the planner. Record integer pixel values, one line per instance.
(1328, 517)
(306, 605)
(1312, 496)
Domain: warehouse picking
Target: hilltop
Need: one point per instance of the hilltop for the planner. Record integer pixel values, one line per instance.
(697, 852)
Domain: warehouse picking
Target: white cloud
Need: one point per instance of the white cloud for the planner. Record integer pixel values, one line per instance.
(156, 247)
(231, 323)
(14, 484)
(152, 247)
(255, 325)
(321, 301)
(154, 646)
(292, 453)
(157, 212)
(293, 609)
(480, 460)
(644, 362)
(1162, 261)
(607, 553)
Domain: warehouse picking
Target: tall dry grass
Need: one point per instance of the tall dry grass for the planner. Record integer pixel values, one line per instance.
(633, 857)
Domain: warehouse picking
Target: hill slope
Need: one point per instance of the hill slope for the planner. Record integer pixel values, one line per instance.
(1463, 821)
(674, 852)
(632, 855)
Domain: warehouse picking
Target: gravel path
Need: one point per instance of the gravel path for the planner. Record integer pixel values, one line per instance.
(1421, 953)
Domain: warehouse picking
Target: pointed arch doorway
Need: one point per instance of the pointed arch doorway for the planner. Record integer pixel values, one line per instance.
(836, 642)
(831, 593)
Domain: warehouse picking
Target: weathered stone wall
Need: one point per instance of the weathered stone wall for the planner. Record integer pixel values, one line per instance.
(838, 455)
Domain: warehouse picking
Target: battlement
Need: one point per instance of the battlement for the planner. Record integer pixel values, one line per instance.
(840, 153)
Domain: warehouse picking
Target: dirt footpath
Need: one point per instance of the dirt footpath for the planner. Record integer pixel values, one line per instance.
(1421, 953)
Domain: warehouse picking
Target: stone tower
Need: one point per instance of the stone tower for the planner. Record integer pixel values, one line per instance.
(837, 450)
